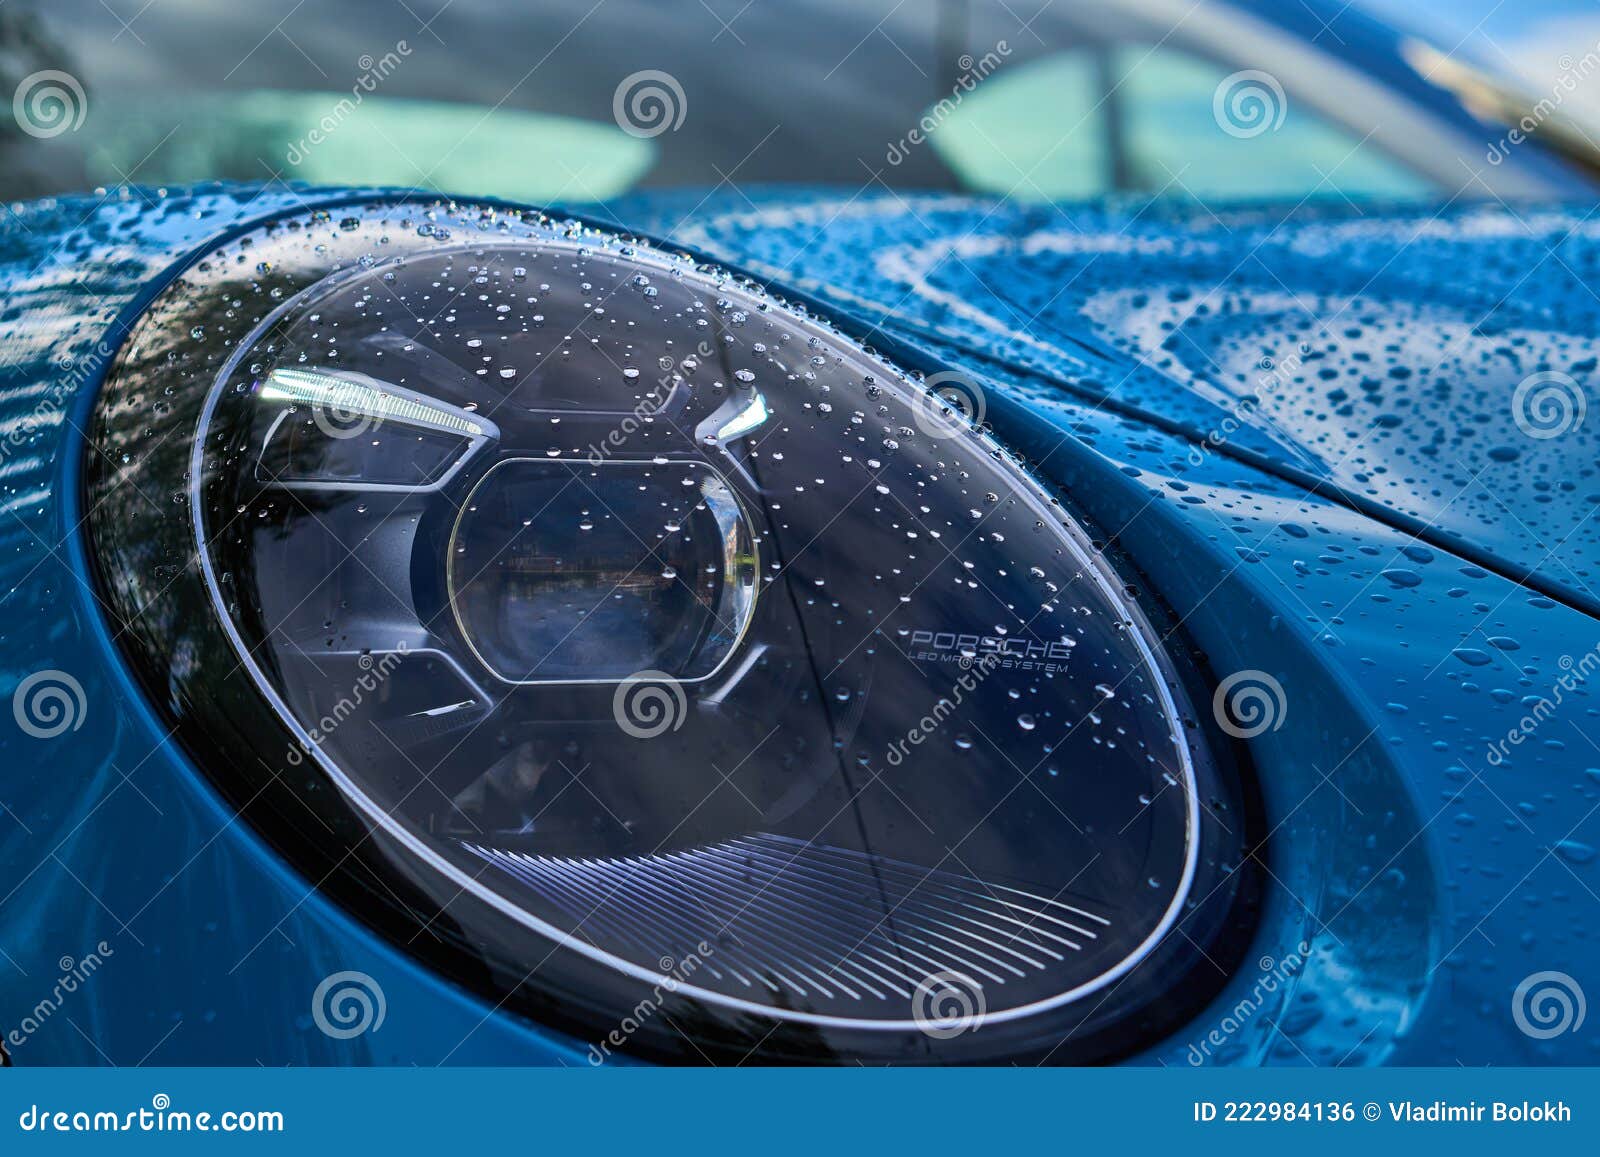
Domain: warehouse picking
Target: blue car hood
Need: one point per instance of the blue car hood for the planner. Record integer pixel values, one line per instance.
(1375, 357)
(1375, 531)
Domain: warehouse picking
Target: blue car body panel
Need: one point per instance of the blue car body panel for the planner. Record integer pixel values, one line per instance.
(109, 835)
(1411, 882)
(1377, 355)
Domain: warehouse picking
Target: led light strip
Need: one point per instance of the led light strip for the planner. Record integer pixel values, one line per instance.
(360, 396)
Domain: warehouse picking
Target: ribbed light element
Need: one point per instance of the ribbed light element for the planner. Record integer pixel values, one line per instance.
(807, 919)
(358, 396)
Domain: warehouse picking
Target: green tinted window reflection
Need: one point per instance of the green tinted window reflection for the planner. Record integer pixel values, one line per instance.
(333, 139)
(1133, 118)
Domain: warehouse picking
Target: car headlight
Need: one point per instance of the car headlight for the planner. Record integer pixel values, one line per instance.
(639, 636)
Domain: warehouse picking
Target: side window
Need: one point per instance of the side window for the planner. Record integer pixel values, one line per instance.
(1130, 117)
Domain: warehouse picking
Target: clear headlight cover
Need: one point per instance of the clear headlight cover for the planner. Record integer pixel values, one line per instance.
(641, 635)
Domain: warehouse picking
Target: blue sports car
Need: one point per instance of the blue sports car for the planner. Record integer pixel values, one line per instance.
(971, 535)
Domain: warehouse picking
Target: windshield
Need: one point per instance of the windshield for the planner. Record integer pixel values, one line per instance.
(580, 101)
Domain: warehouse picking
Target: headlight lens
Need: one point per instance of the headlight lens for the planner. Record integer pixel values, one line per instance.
(613, 615)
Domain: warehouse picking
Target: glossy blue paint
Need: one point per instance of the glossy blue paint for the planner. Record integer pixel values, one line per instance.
(110, 836)
(1423, 880)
